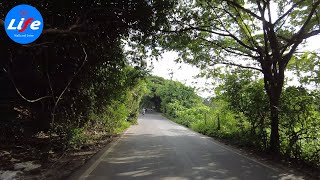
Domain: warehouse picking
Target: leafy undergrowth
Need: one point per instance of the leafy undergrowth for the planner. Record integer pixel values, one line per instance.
(283, 162)
(39, 157)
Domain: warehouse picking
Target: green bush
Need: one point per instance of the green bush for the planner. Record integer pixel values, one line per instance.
(102, 117)
(207, 128)
(77, 138)
(187, 116)
(300, 125)
(240, 113)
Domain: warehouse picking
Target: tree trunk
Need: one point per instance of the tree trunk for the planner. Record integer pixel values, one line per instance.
(274, 136)
(273, 82)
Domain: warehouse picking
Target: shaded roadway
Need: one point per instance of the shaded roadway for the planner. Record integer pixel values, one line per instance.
(157, 148)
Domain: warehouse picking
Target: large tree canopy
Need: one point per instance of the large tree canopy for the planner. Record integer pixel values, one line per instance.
(262, 35)
(79, 55)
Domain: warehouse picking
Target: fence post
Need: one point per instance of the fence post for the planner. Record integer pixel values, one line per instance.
(205, 118)
(218, 122)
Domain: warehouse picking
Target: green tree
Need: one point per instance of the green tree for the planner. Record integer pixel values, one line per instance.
(245, 94)
(260, 35)
(306, 67)
(300, 122)
(152, 98)
(170, 97)
(173, 91)
(78, 67)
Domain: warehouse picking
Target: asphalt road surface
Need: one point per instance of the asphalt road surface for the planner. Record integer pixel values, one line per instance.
(157, 148)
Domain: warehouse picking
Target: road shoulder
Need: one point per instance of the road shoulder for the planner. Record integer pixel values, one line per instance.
(267, 162)
(92, 162)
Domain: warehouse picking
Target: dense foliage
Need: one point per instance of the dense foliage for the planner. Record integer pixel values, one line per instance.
(260, 35)
(242, 94)
(77, 77)
(85, 74)
(175, 100)
(239, 113)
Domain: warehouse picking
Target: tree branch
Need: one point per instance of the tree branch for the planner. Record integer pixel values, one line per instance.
(287, 12)
(254, 43)
(231, 2)
(233, 36)
(36, 45)
(69, 30)
(301, 35)
(312, 33)
(195, 28)
(18, 91)
(231, 50)
(67, 86)
(241, 66)
(315, 6)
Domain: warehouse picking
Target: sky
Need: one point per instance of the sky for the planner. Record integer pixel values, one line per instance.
(186, 73)
(182, 72)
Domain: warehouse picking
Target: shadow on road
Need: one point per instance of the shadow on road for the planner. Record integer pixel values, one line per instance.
(160, 149)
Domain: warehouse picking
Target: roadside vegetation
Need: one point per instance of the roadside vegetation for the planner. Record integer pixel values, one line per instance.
(86, 77)
(239, 114)
(74, 86)
(257, 108)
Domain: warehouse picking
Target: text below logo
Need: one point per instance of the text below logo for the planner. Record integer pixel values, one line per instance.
(23, 24)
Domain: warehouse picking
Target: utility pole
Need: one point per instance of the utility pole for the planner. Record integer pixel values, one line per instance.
(171, 74)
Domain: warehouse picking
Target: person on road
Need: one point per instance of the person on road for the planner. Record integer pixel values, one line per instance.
(143, 111)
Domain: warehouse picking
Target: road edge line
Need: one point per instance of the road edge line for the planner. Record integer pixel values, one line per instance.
(95, 160)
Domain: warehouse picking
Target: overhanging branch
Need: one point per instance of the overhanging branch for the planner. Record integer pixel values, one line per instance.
(301, 35)
(67, 86)
(18, 91)
(195, 28)
(233, 3)
(287, 12)
(231, 49)
(241, 66)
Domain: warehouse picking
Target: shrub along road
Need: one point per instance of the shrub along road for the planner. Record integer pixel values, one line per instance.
(157, 148)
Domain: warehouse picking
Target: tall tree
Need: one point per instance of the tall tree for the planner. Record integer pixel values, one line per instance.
(257, 34)
(80, 49)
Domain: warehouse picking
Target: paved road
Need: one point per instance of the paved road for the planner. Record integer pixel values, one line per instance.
(157, 148)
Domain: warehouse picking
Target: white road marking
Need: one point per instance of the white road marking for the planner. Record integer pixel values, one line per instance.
(97, 162)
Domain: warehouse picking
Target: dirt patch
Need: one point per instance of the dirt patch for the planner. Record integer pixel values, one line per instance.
(37, 159)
